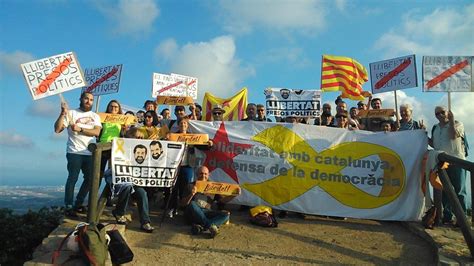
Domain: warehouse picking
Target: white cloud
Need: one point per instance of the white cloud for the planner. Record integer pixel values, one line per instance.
(14, 140)
(244, 16)
(130, 17)
(445, 31)
(43, 108)
(214, 63)
(10, 62)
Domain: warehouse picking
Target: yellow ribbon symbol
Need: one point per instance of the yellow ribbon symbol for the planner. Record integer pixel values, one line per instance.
(120, 148)
(286, 187)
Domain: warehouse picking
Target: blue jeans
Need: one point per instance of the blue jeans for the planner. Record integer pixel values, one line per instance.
(76, 163)
(205, 217)
(123, 198)
(142, 202)
(457, 176)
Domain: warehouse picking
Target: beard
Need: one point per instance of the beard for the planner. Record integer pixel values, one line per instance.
(85, 108)
(139, 159)
(156, 156)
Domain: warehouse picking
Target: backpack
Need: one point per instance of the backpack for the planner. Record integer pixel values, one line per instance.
(92, 243)
(464, 142)
(262, 216)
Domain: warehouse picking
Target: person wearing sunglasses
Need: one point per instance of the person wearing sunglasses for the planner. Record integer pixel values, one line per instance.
(449, 136)
(150, 125)
(217, 113)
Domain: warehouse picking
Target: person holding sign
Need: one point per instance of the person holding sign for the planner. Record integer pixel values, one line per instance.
(447, 136)
(198, 207)
(149, 128)
(110, 131)
(83, 126)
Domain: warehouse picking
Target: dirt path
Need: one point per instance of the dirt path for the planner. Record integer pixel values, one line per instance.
(313, 240)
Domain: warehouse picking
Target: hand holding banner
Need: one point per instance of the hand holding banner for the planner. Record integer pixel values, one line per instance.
(226, 189)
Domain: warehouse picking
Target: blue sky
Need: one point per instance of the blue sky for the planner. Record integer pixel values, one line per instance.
(226, 44)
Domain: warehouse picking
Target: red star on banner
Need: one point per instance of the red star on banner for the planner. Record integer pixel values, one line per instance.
(223, 152)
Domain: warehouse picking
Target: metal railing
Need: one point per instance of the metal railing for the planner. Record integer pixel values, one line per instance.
(461, 218)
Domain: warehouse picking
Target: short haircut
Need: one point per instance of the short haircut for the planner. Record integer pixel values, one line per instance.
(406, 106)
(139, 146)
(178, 108)
(129, 113)
(83, 94)
(260, 105)
(374, 100)
(155, 142)
(163, 111)
(147, 102)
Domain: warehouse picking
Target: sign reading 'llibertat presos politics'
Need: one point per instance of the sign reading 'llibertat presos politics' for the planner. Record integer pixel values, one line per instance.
(174, 85)
(103, 80)
(146, 163)
(393, 74)
(289, 102)
(53, 75)
(448, 73)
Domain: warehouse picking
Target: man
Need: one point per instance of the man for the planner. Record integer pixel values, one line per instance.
(376, 103)
(261, 113)
(326, 117)
(361, 105)
(285, 93)
(447, 136)
(149, 105)
(217, 113)
(140, 118)
(180, 113)
(198, 207)
(197, 109)
(155, 149)
(354, 118)
(83, 126)
(139, 152)
(251, 112)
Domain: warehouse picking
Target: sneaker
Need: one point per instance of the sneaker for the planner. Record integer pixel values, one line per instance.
(147, 228)
(196, 229)
(213, 230)
(80, 209)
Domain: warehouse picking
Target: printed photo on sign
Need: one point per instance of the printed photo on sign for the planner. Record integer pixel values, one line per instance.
(393, 74)
(53, 75)
(447, 74)
(103, 80)
(147, 163)
(174, 85)
(288, 102)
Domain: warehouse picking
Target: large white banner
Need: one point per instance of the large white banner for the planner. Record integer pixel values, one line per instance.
(318, 170)
(448, 73)
(174, 85)
(146, 163)
(393, 74)
(53, 75)
(289, 102)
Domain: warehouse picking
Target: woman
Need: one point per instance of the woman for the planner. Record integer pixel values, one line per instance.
(150, 126)
(407, 122)
(110, 131)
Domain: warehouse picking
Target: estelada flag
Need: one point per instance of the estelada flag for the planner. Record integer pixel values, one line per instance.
(339, 73)
(234, 106)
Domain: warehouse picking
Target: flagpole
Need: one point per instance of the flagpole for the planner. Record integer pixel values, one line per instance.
(396, 106)
(449, 100)
(97, 104)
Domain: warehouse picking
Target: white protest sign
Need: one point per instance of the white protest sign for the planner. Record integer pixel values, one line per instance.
(53, 75)
(289, 102)
(448, 73)
(393, 74)
(146, 163)
(103, 80)
(174, 85)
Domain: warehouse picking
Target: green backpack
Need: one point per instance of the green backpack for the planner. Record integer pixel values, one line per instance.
(93, 244)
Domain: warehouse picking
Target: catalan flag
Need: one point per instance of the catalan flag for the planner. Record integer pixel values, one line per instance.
(343, 74)
(234, 106)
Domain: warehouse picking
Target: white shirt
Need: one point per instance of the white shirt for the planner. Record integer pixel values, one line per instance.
(443, 142)
(77, 142)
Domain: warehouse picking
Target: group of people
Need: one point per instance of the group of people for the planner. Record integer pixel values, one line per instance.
(84, 127)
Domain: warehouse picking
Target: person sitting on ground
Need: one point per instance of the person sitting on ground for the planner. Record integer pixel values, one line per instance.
(199, 207)
(406, 121)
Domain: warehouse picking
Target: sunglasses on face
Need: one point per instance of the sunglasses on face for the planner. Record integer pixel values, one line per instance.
(217, 113)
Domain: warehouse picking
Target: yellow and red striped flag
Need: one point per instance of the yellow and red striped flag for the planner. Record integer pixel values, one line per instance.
(339, 73)
(234, 106)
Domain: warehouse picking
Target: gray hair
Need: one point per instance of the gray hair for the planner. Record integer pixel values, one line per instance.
(406, 106)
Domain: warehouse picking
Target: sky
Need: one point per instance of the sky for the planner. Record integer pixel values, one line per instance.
(227, 45)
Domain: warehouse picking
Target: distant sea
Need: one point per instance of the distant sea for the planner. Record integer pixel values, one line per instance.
(23, 198)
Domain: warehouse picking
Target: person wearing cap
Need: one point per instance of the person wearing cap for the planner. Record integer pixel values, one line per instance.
(342, 120)
(217, 112)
